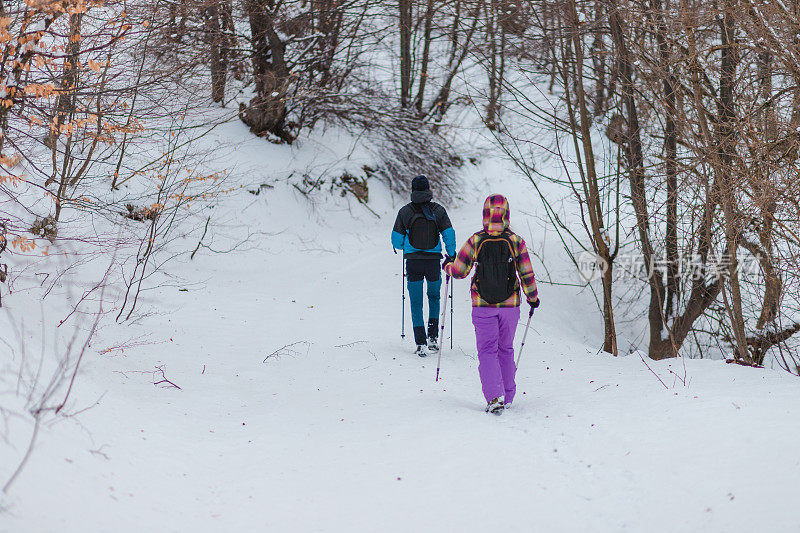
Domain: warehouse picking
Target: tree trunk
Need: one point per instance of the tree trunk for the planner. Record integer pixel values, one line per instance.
(405, 53)
(496, 61)
(598, 53)
(702, 295)
(230, 46)
(766, 192)
(670, 163)
(441, 102)
(454, 32)
(586, 165)
(64, 112)
(218, 59)
(636, 175)
(65, 105)
(726, 140)
(426, 51)
(328, 24)
(266, 113)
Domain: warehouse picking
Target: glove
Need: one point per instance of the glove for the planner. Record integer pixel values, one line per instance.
(534, 305)
(447, 260)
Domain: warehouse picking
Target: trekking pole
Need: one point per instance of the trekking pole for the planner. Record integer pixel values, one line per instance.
(525, 336)
(403, 281)
(403, 319)
(451, 313)
(441, 335)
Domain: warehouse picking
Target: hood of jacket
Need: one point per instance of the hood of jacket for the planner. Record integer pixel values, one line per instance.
(421, 197)
(495, 214)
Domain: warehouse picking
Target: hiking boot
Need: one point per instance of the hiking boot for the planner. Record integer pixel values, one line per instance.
(433, 344)
(422, 350)
(496, 406)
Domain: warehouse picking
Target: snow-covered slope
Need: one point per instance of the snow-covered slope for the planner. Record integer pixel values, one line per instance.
(301, 409)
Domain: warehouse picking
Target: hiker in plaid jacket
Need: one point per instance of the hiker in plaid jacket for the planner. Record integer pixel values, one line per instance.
(495, 323)
(495, 222)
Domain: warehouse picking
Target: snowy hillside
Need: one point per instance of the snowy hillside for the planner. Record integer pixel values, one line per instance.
(292, 404)
(201, 311)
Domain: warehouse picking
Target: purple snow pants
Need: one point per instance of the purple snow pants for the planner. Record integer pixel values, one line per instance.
(494, 333)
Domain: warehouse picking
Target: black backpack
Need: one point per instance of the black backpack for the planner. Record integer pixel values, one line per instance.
(496, 272)
(423, 234)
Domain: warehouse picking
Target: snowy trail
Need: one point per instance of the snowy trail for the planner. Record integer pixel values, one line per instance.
(350, 431)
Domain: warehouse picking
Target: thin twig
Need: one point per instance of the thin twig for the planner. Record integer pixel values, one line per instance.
(191, 257)
(349, 344)
(651, 370)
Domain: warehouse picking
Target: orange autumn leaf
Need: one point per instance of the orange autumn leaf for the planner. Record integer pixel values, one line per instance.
(13, 180)
(24, 244)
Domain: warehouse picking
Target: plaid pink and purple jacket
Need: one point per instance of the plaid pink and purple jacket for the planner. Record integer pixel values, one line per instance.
(495, 222)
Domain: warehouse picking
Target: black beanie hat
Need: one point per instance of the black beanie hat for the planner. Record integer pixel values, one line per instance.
(420, 183)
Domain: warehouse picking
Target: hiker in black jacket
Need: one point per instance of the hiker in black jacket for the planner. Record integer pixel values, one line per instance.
(417, 232)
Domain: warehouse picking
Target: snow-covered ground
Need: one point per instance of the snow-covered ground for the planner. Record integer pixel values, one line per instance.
(301, 409)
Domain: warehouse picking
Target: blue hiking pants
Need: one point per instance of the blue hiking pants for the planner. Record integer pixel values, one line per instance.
(419, 270)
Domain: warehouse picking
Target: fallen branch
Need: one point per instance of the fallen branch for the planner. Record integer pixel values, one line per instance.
(349, 344)
(164, 381)
(288, 350)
